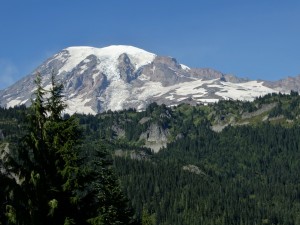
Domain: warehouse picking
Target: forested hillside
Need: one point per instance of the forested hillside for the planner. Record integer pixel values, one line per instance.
(46, 174)
(232, 162)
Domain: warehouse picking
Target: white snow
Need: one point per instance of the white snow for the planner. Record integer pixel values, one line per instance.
(48, 87)
(83, 68)
(107, 57)
(209, 100)
(33, 90)
(77, 105)
(116, 94)
(181, 99)
(243, 91)
(95, 75)
(86, 60)
(171, 97)
(185, 88)
(13, 103)
(193, 87)
(198, 95)
(119, 93)
(184, 67)
(24, 101)
(143, 77)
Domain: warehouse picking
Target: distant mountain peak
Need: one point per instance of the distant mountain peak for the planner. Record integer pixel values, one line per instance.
(110, 51)
(120, 76)
(107, 56)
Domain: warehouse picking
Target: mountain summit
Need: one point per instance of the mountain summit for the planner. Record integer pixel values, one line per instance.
(118, 77)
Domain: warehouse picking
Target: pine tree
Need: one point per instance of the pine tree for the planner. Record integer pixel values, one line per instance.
(146, 218)
(112, 205)
(49, 182)
(55, 105)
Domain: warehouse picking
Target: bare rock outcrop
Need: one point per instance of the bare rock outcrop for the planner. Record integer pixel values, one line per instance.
(155, 137)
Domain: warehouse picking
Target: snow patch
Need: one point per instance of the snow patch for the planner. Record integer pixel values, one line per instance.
(95, 75)
(181, 99)
(184, 67)
(117, 93)
(48, 87)
(108, 58)
(86, 60)
(83, 68)
(171, 97)
(198, 96)
(208, 100)
(143, 77)
(78, 105)
(24, 102)
(247, 91)
(13, 103)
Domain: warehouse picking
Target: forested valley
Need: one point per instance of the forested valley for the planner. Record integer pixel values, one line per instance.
(232, 162)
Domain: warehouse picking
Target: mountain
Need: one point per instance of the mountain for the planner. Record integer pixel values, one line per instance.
(121, 77)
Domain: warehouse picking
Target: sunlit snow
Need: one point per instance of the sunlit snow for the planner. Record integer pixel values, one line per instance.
(184, 67)
(108, 58)
(13, 103)
(78, 105)
(117, 94)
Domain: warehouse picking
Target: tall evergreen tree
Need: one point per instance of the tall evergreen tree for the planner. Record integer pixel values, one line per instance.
(55, 105)
(50, 182)
(112, 205)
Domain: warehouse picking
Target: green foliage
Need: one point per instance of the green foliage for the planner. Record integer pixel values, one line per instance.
(11, 214)
(246, 174)
(54, 104)
(49, 180)
(146, 218)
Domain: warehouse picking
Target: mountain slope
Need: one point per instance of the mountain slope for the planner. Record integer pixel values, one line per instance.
(120, 77)
(247, 173)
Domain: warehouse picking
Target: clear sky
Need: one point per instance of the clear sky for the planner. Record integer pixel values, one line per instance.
(258, 39)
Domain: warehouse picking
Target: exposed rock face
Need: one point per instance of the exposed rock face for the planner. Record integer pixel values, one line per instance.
(121, 77)
(133, 154)
(1, 135)
(166, 71)
(264, 108)
(126, 68)
(206, 73)
(155, 137)
(193, 169)
(4, 151)
(285, 85)
(144, 120)
(119, 131)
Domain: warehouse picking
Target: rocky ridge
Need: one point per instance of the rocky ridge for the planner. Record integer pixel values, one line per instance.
(122, 77)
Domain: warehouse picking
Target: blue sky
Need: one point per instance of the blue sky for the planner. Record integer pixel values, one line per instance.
(255, 39)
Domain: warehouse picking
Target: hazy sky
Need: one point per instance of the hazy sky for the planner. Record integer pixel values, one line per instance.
(247, 38)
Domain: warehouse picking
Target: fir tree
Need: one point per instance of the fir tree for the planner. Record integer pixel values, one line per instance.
(48, 182)
(112, 205)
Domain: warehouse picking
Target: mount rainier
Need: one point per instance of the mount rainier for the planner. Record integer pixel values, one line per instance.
(119, 77)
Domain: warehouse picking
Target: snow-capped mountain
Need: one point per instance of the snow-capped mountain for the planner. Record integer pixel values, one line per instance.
(118, 77)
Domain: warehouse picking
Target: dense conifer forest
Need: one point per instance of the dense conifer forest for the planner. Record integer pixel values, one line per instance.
(231, 162)
(46, 175)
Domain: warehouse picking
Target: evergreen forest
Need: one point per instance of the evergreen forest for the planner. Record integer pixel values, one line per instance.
(231, 162)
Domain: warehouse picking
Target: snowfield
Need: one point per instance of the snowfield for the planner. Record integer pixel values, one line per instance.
(92, 77)
(119, 93)
(108, 58)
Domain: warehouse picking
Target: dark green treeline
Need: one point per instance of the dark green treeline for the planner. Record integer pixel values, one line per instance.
(246, 174)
